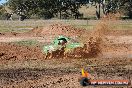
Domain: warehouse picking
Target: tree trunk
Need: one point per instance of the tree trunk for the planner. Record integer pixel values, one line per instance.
(99, 10)
(103, 6)
(60, 14)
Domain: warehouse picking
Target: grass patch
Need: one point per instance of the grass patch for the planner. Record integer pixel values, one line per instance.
(25, 26)
(27, 43)
(8, 29)
(122, 27)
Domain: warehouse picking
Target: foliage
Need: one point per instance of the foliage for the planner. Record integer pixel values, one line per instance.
(68, 8)
(2, 11)
(27, 42)
(114, 6)
(122, 6)
(126, 7)
(46, 8)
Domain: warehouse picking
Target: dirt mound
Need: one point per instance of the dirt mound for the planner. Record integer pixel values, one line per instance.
(57, 29)
(10, 51)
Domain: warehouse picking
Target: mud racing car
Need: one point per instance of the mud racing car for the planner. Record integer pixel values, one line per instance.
(60, 46)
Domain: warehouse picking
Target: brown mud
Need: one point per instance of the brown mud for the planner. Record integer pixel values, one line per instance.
(110, 52)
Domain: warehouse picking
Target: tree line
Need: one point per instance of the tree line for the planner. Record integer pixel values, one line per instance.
(66, 9)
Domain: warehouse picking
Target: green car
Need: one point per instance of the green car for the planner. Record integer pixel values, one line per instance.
(56, 44)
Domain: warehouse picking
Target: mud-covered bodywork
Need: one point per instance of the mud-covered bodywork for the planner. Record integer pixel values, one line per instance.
(70, 44)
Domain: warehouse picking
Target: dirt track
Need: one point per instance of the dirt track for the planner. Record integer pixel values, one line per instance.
(25, 67)
(38, 78)
(62, 77)
(120, 46)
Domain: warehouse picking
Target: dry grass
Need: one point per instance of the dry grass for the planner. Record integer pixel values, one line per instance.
(24, 26)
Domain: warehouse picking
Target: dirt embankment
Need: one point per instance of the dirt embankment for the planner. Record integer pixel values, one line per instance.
(98, 42)
(55, 30)
(10, 51)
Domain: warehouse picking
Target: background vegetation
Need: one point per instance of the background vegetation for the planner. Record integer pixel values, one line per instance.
(66, 9)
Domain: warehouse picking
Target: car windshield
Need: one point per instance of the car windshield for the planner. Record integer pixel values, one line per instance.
(62, 39)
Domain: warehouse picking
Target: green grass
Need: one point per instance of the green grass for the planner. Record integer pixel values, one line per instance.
(27, 43)
(126, 26)
(5, 30)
